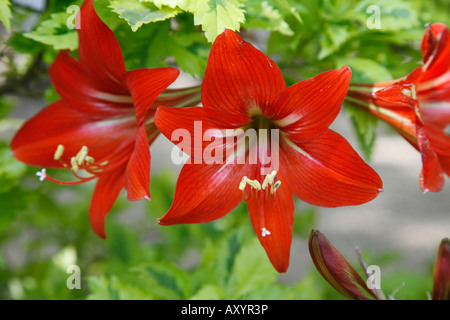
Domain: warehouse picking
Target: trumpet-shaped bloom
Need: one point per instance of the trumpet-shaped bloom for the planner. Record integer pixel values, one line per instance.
(103, 123)
(418, 106)
(244, 92)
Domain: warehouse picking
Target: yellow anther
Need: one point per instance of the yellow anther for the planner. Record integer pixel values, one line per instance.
(59, 152)
(275, 186)
(89, 159)
(254, 184)
(81, 156)
(268, 180)
(74, 163)
(243, 183)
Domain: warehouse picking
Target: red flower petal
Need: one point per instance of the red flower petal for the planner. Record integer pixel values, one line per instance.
(310, 106)
(336, 270)
(272, 217)
(36, 142)
(431, 177)
(78, 88)
(402, 94)
(99, 50)
(193, 122)
(327, 172)
(441, 276)
(436, 52)
(239, 77)
(436, 119)
(105, 194)
(137, 181)
(145, 85)
(205, 193)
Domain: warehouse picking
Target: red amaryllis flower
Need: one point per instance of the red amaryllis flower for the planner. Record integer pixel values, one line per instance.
(103, 123)
(337, 271)
(418, 106)
(244, 92)
(441, 277)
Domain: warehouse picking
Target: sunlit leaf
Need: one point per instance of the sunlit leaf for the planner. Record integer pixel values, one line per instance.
(56, 33)
(137, 13)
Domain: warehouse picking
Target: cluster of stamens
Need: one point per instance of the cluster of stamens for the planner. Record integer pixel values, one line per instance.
(81, 161)
(268, 183)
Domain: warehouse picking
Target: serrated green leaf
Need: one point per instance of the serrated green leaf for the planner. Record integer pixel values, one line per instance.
(216, 15)
(182, 4)
(5, 14)
(138, 13)
(56, 33)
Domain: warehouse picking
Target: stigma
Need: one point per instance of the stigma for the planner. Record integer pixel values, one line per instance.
(265, 232)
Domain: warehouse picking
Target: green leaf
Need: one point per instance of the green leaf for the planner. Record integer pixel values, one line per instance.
(209, 292)
(5, 14)
(10, 169)
(216, 15)
(364, 70)
(365, 126)
(252, 269)
(395, 15)
(291, 8)
(188, 61)
(137, 13)
(262, 15)
(114, 288)
(182, 4)
(56, 33)
(332, 40)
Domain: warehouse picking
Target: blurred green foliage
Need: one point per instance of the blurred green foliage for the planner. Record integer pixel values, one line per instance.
(44, 227)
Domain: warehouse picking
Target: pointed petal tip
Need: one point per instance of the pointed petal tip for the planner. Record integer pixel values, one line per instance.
(100, 233)
(346, 69)
(281, 268)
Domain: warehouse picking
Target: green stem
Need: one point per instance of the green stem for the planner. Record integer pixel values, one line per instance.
(178, 92)
(191, 102)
